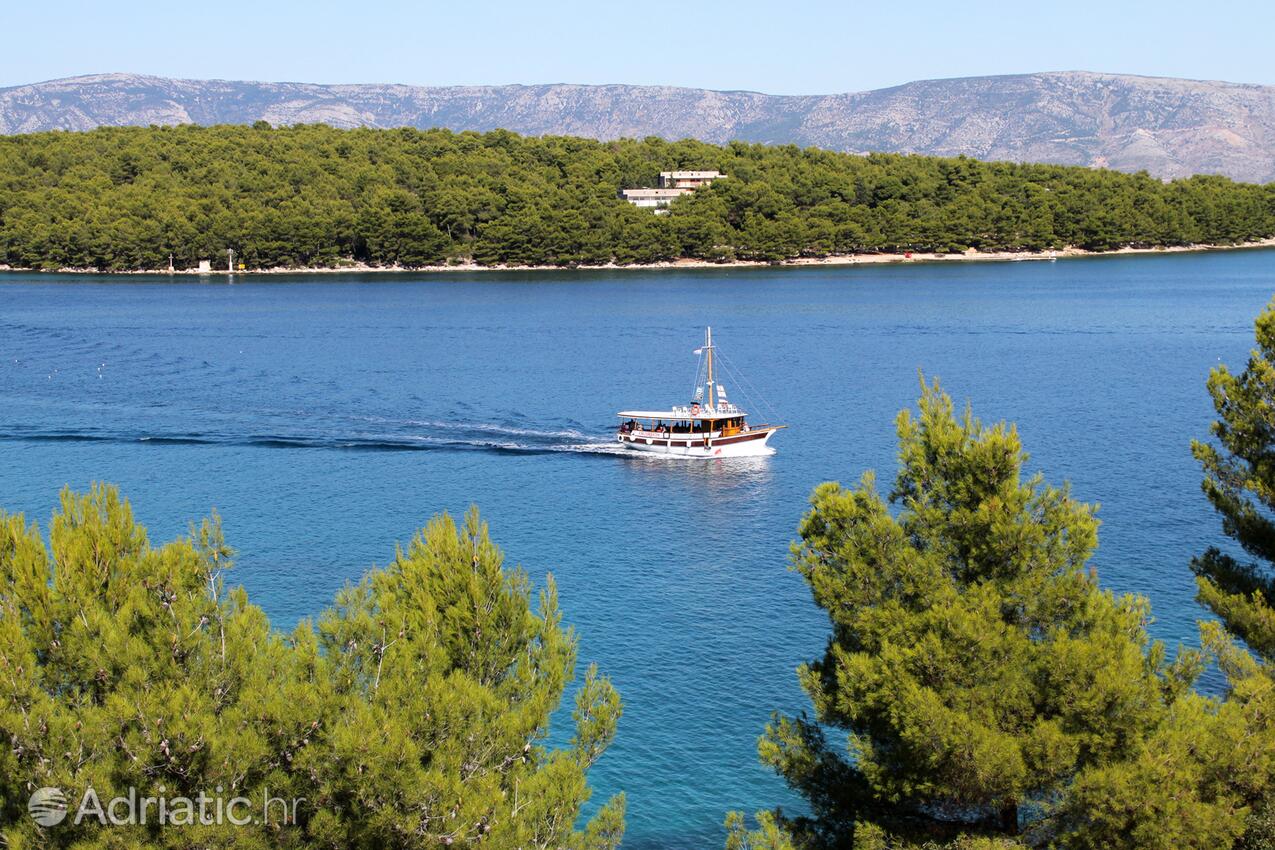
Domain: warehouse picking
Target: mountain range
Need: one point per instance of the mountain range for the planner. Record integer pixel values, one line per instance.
(1168, 127)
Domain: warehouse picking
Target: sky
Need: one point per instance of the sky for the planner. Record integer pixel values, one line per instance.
(793, 47)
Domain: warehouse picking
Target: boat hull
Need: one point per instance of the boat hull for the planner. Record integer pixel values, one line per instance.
(745, 444)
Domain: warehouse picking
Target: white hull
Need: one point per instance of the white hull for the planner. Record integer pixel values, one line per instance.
(681, 446)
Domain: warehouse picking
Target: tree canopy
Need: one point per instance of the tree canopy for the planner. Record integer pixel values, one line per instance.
(412, 715)
(1239, 481)
(126, 198)
(993, 694)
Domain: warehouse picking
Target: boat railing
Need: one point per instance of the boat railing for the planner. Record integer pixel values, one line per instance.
(650, 432)
(676, 435)
(720, 410)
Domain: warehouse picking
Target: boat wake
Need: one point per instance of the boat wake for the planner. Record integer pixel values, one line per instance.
(438, 436)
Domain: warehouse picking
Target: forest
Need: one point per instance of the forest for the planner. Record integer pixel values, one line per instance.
(129, 198)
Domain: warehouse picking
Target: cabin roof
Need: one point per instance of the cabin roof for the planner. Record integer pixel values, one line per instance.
(677, 415)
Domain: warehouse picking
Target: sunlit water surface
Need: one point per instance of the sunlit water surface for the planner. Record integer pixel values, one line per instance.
(329, 417)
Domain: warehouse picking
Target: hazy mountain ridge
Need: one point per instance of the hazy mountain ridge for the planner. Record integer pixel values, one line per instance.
(1169, 127)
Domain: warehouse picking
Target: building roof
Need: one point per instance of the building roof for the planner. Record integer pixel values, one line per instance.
(690, 175)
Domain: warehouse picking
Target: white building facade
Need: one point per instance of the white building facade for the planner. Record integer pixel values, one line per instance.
(687, 179)
(673, 184)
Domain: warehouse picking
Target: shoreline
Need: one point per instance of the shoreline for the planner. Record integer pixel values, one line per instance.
(688, 263)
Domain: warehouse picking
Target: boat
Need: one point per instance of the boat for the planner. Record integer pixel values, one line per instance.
(710, 426)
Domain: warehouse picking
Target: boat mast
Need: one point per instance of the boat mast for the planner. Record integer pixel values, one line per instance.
(708, 345)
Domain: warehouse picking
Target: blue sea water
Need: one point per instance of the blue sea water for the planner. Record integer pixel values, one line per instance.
(328, 417)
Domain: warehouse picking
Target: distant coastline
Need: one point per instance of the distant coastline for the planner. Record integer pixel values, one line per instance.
(313, 197)
(867, 259)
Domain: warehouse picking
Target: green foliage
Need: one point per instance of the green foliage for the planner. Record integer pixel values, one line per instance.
(992, 692)
(1239, 481)
(127, 197)
(769, 835)
(413, 715)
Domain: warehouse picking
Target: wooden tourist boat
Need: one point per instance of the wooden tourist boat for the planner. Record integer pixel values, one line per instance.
(710, 426)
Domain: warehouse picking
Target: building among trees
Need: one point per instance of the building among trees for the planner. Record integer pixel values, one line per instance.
(687, 179)
(673, 184)
(652, 198)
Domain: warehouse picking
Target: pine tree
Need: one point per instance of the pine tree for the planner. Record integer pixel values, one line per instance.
(1239, 481)
(413, 716)
(984, 678)
(444, 680)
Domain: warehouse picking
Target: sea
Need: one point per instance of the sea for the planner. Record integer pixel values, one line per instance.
(327, 417)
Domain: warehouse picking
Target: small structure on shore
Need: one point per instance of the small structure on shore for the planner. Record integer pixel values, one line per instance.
(673, 184)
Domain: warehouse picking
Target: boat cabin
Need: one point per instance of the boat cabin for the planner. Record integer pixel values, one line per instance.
(722, 421)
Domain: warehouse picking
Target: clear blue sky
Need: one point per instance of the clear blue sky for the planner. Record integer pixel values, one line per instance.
(779, 47)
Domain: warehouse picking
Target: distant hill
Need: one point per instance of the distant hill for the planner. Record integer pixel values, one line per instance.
(1168, 127)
